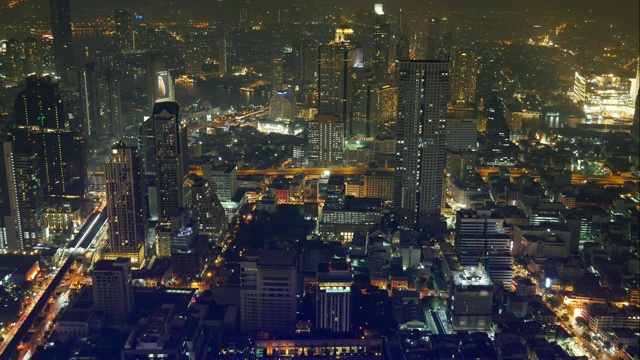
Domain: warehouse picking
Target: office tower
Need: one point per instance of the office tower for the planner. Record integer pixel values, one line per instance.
(471, 302)
(41, 122)
(223, 178)
(335, 61)
(222, 55)
(47, 55)
(305, 60)
(277, 73)
(483, 236)
(335, 193)
(124, 28)
(110, 104)
(147, 146)
(326, 141)
(444, 52)
(433, 38)
(461, 166)
(192, 57)
(363, 114)
(497, 128)
(14, 58)
(381, 47)
(379, 184)
(420, 158)
(22, 224)
(282, 106)
(89, 103)
(207, 209)
(31, 60)
(62, 37)
(462, 131)
(125, 207)
(464, 71)
(333, 296)
(268, 289)
(169, 144)
(403, 49)
(113, 290)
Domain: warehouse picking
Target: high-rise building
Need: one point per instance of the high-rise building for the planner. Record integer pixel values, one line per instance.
(305, 60)
(326, 140)
(335, 61)
(480, 236)
(22, 225)
(125, 204)
(113, 290)
(471, 304)
(147, 146)
(47, 55)
(89, 101)
(333, 296)
(192, 57)
(41, 122)
(464, 71)
(124, 28)
(363, 114)
(223, 178)
(335, 193)
(381, 47)
(462, 131)
(277, 73)
(31, 60)
(282, 106)
(170, 157)
(421, 130)
(268, 291)
(14, 58)
(110, 103)
(207, 209)
(433, 38)
(62, 36)
(222, 55)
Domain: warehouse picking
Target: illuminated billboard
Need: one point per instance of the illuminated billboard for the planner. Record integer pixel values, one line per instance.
(164, 90)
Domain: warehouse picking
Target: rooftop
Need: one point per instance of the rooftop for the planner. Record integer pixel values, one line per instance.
(471, 276)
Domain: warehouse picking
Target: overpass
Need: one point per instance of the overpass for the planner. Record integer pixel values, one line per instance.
(89, 231)
(312, 171)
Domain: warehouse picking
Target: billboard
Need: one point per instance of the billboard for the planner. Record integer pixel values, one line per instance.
(164, 90)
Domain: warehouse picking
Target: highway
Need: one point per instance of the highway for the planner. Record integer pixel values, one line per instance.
(312, 171)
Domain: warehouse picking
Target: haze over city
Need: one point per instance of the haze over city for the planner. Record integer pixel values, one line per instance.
(332, 179)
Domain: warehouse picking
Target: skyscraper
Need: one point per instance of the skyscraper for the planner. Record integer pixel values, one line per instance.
(433, 38)
(363, 112)
(89, 103)
(41, 124)
(113, 290)
(31, 58)
(62, 36)
(305, 60)
(14, 58)
(326, 140)
(169, 144)
(464, 71)
(420, 158)
(277, 73)
(333, 296)
(124, 28)
(207, 209)
(268, 288)
(125, 204)
(110, 103)
(222, 55)
(381, 47)
(22, 225)
(335, 61)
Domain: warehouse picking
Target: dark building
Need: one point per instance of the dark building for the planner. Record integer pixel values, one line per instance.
(62, 36)
(124, 27)
(170, 158)
(42, 124)
(421, 130)
(125, 207)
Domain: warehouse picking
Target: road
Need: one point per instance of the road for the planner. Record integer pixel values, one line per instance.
(312, 171)
(21, 329)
